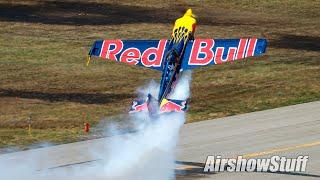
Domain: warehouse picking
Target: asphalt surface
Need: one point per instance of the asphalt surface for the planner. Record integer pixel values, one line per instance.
(288, 131)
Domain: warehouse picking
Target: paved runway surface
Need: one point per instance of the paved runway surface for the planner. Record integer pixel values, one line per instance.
(289, 131)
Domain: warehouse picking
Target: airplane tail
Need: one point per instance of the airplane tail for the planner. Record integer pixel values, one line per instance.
(151, 105)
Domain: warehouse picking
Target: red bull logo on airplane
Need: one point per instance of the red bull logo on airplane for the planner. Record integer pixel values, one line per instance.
(152, 56)
(168, 105)
(199, 52)
(138, 106)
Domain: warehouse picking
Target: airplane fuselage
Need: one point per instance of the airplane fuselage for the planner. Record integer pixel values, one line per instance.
(171, 68)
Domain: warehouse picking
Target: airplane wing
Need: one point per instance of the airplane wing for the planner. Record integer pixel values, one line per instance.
(205, 52)
(146, 53)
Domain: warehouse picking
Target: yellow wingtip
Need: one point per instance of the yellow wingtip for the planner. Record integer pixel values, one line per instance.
(88, 60)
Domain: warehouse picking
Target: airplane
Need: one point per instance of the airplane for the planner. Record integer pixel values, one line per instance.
(172, 57)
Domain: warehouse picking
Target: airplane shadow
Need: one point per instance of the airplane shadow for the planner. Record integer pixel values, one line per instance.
(309, 43)
(83, 13)
(192, 173)
(94, 13)
(84, 98)
(197, 171)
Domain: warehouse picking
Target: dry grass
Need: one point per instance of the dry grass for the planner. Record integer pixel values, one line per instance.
(43, 74)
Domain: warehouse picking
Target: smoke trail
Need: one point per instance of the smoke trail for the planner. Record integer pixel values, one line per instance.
(182, 89)
(149, 153)
(151, 88)
(146, 154)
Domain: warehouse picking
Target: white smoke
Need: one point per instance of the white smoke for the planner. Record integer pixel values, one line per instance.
(151, 88)
(182, 89)
(146, 154)
(149, 153)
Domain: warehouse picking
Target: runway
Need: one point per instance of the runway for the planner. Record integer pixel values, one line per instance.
(290, 131)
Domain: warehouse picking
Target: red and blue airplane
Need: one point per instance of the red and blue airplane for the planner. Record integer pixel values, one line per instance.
(171, 57)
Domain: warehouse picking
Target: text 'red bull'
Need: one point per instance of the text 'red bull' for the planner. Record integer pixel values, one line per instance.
(203, 52)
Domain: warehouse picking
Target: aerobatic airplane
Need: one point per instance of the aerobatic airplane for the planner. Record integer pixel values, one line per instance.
(172, 57)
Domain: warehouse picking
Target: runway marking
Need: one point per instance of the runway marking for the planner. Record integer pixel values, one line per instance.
(262, 153)
(281, 149)
(186, 167)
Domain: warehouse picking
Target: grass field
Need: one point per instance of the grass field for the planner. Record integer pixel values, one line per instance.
(44, 78)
